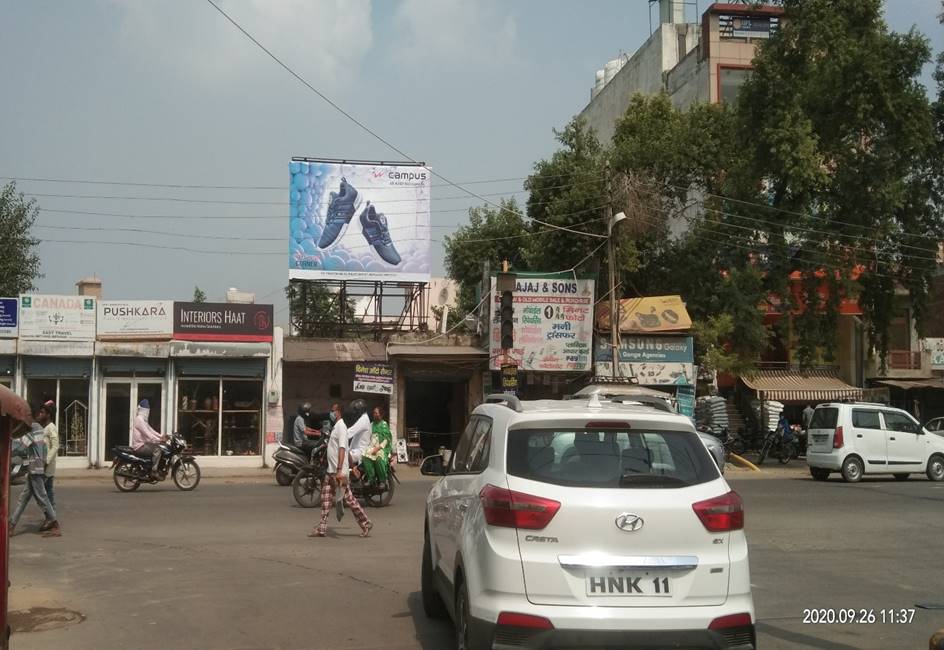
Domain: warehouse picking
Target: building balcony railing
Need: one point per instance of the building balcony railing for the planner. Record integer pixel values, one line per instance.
(904, 360)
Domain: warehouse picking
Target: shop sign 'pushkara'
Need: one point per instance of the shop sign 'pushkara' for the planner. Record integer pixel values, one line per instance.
(373, 378)
(553, 325)
(358, 221)
(135, 319)
(652, 360)
(8, 318)
(212, 321)
(57, 318)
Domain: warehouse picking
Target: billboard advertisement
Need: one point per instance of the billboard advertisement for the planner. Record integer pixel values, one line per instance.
(222, 321)
(653, 360)
(553, 325)
(936, 348)
(135, 319)
(8, 317)
(57, 318)
(358, 221)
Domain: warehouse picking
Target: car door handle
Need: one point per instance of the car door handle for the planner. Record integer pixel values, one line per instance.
(858, 435)
(891, 438)
(463, 507)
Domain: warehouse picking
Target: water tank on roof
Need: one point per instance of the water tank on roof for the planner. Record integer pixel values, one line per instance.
(610, 69)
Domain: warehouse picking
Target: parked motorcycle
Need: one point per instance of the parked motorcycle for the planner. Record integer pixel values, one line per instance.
(306, 487)
(779, 446)
(131, 470)
(289, 459)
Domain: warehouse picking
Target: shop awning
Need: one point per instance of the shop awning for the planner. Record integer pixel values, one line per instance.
(433, 351)
(793, 386)
(321, 351)
(906, 384)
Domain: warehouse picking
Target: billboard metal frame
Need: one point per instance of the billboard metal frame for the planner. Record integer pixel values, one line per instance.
(392, 307)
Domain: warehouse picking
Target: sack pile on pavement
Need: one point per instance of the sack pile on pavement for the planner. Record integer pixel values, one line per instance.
(712, 412)
(767, 413)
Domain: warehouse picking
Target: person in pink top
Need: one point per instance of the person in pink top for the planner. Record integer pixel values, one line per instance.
(144, 439)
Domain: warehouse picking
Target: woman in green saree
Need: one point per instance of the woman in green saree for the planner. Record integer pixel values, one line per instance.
(376, 459)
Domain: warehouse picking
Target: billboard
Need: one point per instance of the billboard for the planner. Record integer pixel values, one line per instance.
(358, 221)
(648, 314)
(8, 318)
(936, 348)
(57, 318)
(222, 321)
(553, 325)
(135, 319)
(653, 360)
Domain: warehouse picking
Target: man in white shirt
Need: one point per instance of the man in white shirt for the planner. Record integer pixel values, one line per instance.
(337, 479)
(358, 435)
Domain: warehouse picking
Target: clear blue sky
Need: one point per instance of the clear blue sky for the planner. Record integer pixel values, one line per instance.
(168, 92)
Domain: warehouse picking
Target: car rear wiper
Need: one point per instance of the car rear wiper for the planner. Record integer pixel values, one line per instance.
(650, 479)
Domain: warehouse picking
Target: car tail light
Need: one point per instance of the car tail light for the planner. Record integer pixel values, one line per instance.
(721, 514)
(729, 621)
(837, 438)
(516, 510)
(513, 619)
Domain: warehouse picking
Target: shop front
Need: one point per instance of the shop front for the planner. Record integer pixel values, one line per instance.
(132, 356)
(435, 388)
(220, 376)
(56, 348)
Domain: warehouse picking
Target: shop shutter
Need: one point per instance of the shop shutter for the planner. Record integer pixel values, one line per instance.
(56, 367)
(220, 368)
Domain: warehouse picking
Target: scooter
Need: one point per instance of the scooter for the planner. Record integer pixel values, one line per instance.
(289, 460)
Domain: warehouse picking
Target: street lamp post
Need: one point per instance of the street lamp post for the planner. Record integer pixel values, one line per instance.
(614, 311)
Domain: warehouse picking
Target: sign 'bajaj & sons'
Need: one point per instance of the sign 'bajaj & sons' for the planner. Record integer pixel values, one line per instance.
(211, 321)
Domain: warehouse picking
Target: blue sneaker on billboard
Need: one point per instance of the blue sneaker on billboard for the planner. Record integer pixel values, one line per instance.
(341, 209)
(374, 227)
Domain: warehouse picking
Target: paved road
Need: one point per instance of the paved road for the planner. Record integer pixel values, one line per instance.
(229, 566)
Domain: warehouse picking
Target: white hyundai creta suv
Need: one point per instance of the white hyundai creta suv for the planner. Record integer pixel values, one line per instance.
(585, 524)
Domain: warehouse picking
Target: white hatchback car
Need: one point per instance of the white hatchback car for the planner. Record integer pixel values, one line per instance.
(585, 524)
(855, 439)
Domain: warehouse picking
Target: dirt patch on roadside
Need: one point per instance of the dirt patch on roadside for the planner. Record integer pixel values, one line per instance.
(43, 619)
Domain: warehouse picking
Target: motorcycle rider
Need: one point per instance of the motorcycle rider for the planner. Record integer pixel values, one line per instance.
(145, 440)
(358, 435)
(302, 433)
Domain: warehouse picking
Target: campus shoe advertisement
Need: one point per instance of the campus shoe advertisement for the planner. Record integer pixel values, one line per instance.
(358, 221)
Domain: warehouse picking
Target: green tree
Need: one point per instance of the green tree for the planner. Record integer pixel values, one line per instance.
(198, 295)
(568, 190)
(683, 157)
(19, 263)
(841, 147)
(493, 235)
(315, 311)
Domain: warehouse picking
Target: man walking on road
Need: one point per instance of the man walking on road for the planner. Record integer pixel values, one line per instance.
(337, 479)
(51, 434)
(807, 416)
(35, 488)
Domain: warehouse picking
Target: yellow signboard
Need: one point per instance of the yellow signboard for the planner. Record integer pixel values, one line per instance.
(650, 314)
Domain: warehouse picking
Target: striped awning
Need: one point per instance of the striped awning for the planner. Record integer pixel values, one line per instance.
(793, 386)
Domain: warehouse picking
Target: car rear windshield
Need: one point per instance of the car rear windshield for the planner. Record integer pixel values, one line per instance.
(609, 458)
(824, 418)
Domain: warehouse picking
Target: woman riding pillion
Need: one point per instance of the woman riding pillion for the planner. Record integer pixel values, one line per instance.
(376, 460)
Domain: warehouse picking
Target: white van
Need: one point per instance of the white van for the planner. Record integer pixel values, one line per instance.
(856, 439)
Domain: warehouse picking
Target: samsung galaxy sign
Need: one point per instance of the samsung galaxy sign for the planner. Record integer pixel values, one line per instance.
(135, 319)
(209, 321)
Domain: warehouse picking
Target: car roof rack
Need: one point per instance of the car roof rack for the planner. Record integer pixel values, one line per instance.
(646, 400)
(507, 399)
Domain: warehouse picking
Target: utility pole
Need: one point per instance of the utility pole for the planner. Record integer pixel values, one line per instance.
(611, 248)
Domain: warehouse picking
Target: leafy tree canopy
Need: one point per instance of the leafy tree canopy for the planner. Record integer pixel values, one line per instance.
(19, 263)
